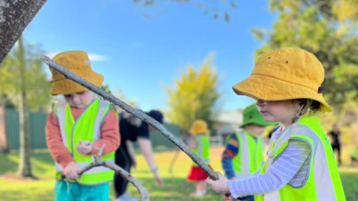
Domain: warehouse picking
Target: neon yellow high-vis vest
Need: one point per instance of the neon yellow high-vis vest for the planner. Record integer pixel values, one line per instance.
(323, 182)
(87, 127)
(355, 154)
(250, 156)
(203, 148)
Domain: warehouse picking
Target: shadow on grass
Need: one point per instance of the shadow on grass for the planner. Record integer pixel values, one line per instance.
(7, 165)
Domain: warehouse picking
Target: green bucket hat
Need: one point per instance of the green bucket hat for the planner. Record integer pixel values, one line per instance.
(253, 116)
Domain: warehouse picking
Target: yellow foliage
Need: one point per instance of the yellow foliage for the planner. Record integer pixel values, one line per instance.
(345, 10)
(194, 95)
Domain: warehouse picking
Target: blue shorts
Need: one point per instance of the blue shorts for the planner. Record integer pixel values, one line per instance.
(65, 191)
(249, 198)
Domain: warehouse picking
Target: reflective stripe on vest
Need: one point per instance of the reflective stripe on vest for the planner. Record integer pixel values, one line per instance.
(72, 132)
(203, 148)
(250, 156)
(323, 182)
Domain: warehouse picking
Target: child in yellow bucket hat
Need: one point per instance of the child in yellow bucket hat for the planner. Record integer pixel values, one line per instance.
(75, 127)
(201, 147)
(287, 86)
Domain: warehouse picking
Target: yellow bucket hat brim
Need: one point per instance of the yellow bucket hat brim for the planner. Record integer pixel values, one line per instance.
(272, 89)
(67, 86)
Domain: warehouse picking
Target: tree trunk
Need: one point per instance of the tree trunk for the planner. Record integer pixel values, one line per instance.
(25, 144)
(4, 144)
(15, 15)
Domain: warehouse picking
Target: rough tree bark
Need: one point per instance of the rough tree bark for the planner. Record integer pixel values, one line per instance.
(15, 15)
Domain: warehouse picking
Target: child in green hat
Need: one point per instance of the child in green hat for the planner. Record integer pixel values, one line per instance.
(244, 151)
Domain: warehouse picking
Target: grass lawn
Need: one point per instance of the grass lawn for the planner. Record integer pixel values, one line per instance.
(175, 185)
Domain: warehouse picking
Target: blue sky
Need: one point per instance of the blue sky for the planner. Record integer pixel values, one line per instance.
(143, 55)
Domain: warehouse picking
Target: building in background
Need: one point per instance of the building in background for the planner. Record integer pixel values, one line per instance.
(227, 123)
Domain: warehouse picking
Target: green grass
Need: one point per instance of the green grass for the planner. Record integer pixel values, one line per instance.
(349, 178)
(175, 185)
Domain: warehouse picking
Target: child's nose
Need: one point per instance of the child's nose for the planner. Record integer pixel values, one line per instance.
(261, 102)
(76, 98)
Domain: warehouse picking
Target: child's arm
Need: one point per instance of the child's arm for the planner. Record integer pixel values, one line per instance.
(131, 153)
(109, 135)
(54, 142)
(146, 147)
(193, 144)
(231, 150)
(282, 171)
(284, 168)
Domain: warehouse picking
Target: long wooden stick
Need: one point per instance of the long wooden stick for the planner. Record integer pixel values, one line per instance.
(138, 113)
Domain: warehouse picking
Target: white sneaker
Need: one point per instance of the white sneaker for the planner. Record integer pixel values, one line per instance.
(126, 197)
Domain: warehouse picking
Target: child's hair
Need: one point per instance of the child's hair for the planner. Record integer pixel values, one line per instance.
(308, 107)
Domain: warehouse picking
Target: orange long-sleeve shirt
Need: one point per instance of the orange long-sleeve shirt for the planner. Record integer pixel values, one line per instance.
(109, 136)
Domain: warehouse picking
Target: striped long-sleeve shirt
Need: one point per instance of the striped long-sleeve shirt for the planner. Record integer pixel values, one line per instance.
(231, 150)
(290, 167)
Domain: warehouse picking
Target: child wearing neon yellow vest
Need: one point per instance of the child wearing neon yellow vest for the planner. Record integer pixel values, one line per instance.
(75, 127)
(201, 147)
(301, 166)
(244, 151)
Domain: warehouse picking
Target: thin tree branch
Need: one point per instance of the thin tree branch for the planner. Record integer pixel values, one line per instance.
(138, 113)
(97, 161)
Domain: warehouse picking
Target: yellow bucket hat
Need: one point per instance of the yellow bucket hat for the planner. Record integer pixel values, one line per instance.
(78, 63)
(199, 127)
(285, 74)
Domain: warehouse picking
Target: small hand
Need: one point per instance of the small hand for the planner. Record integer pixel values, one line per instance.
(134, 164)
(221, 185)
(158, 179)
(84, 147)
(228, 198)
(71, 170)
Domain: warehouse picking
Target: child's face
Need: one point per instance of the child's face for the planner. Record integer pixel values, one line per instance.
(255, 130)
(278, 111)
(79, 100)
